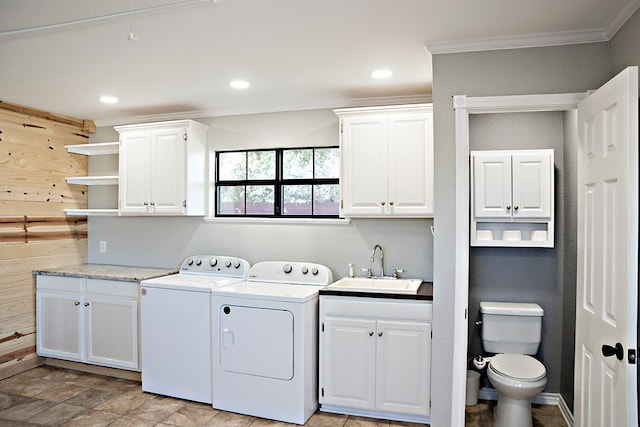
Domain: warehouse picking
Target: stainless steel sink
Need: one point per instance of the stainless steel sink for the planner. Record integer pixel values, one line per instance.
(385, 285)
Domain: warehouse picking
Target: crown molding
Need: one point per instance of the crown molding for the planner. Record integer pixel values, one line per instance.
(597, 35)
(517, 42)
(198, 114)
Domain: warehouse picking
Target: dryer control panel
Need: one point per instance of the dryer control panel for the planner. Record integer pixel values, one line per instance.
(298, 273)
(215, 265)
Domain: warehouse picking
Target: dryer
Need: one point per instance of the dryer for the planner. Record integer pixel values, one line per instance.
(175, 326)
(265, 335)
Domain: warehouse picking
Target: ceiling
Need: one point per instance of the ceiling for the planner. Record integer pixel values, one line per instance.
(175, 58)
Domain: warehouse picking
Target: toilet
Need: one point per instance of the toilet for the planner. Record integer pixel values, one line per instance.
(513, 332)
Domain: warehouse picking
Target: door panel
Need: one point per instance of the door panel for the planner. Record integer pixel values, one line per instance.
(256, 341)
(492, 185)
(607, 275)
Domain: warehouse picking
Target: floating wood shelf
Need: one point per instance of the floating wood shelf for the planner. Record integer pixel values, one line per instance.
(94, 149)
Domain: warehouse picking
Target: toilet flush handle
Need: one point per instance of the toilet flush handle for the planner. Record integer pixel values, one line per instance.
(608, 351)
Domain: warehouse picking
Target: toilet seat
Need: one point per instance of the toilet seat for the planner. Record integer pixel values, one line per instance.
(518, 367)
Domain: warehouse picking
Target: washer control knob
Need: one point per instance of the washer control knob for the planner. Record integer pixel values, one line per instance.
(227, 263)
(287, 268)
(198, 262)
(213, 262)
(190, 262)
(315, 271)
(236, 264)
(305, 269)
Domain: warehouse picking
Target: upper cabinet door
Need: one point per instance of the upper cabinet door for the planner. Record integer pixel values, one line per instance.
(364, 166)
(410, 177)
(531, 185)
(168, 171)
(492, 185)
(135, 169)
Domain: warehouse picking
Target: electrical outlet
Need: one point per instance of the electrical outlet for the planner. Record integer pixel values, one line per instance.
(103, 246)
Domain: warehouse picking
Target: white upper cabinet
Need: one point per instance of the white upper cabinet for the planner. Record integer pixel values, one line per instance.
(387, 161)
(162, 168)
(512, 198)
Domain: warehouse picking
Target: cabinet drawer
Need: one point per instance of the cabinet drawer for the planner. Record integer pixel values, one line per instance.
(112, 288)
(377, 308)
(59, 283)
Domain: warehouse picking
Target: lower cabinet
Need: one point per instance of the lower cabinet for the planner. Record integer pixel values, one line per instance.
(88, 320)
(375, 357)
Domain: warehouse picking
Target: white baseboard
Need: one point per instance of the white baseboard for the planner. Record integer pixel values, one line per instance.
(488, 393)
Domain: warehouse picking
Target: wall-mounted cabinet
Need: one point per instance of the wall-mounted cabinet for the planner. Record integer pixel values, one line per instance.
(99, 149)
(162, 168)
(387, 161)
(512, 198)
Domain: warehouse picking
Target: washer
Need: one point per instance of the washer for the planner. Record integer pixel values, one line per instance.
(265, 338)
(175, 326)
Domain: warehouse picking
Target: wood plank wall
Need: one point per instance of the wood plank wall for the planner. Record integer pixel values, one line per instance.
(35, 233)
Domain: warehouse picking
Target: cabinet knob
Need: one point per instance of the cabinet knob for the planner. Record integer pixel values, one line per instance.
(76, 303)
(152, 203)
(508, 207)
(370, 333)
(515, 208)
(382, 203)
(86, 304)
(379, 334)
(391, 203)
(145, 203)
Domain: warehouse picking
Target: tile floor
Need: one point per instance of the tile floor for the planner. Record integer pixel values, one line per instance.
(52, 396)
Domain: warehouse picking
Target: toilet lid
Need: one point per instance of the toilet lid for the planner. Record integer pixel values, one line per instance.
(518, 366)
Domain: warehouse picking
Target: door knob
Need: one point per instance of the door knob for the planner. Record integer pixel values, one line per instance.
(608, 351)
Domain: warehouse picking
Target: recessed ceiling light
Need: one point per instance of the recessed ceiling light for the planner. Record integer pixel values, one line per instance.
(381, 74)
(239, 84)
(108, 99)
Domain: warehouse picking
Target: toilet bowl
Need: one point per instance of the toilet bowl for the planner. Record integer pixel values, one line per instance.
(517, 378)
(513, 332)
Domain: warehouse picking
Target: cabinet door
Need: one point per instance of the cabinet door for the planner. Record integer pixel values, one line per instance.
(532, 178)
(492, 185)
(112, 331)
(168, 171)
(59, 325)
(364, 166)
(410, 173)
(403, 367)
(135, 170)
(348, 363)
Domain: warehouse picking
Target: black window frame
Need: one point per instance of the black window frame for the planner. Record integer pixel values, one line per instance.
(278, 182)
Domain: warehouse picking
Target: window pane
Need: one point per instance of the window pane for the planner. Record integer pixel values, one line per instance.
(260, 199)
(297, 164)
(296, 200)
(325, 199)
(262, 165)
(233, 166)
(231, 200)
(327, 163)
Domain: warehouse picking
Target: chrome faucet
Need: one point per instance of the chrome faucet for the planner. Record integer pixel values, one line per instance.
(373, 257)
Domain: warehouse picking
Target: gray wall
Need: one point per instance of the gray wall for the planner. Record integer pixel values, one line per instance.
(559, 69)
(505, 274)
(166, 241)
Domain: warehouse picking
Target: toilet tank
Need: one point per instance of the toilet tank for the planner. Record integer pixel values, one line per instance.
(511, 327)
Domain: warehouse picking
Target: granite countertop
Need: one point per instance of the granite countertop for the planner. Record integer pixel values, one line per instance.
(425, 292)
(107, 272)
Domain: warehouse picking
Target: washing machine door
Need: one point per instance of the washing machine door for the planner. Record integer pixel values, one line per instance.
(256, 341)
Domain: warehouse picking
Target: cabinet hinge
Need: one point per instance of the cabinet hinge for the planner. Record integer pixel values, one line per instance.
(184, 204)
(631, 356)
(184, 136)
(341, 204)
(341, 127)
(322, 391)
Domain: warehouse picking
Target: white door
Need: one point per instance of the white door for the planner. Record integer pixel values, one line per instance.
(348, 363)
(135, 169)
(364, 166)
(410, 173)
(58, 324)
(531, 182)
(403, 367)
(606, 301)
(491, 185)
(168, 171)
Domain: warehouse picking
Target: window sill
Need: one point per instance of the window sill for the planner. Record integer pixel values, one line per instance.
(305, 221)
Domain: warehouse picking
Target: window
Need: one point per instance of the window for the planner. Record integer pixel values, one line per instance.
(284, 182)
